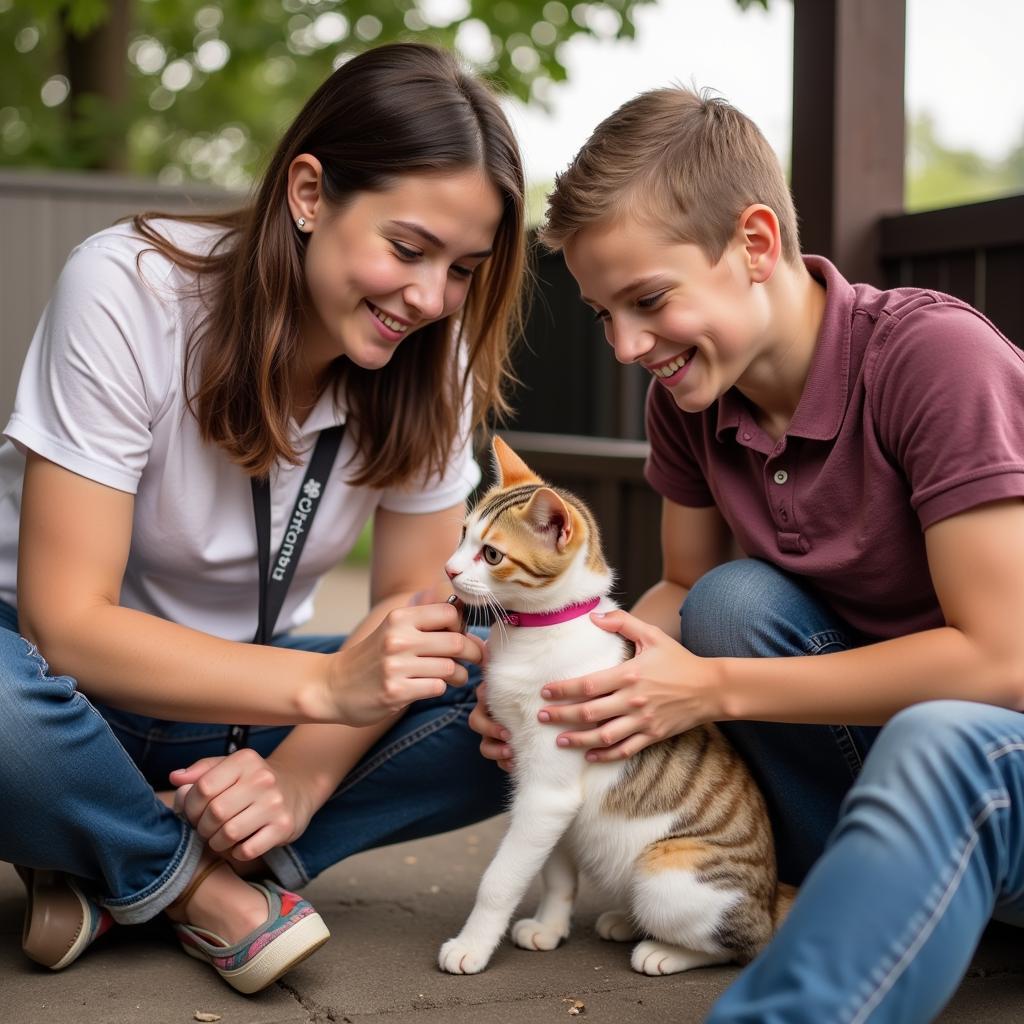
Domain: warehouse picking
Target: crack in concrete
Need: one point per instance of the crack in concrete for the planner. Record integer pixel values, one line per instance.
(360, 903)
(316, 1012)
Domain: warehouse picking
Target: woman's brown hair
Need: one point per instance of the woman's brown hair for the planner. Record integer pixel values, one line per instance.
(394, 110)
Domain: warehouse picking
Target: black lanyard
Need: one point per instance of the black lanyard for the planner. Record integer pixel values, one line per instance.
(275, 580)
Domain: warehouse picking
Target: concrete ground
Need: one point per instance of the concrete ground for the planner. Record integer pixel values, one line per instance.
(388, 911)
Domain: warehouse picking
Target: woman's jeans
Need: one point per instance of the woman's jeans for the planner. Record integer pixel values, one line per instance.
(924, 848)
(77, 784)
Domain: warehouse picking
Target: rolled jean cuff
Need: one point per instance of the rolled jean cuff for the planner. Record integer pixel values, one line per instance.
(167, 888)
(286, 867)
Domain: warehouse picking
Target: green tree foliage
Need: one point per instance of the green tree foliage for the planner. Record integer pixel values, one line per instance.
(939, 175)
(202, 88)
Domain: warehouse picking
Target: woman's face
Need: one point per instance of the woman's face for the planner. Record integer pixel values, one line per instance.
(391, 262)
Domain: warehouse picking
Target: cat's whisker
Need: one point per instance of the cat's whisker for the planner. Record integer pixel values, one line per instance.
(499, 614)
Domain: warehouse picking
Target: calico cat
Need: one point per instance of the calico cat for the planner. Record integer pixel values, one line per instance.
(677, 835)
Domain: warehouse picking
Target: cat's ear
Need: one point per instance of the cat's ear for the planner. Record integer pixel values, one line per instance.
(550, 517)
(510, 469)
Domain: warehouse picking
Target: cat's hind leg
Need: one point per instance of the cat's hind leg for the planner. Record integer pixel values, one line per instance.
(654, 957)
(685, 916)
(550, 924)
(617, 926)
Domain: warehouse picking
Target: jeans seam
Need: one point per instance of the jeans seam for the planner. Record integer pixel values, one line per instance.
(1005, 747)
(848, 748)
(297, 862)
(996, 801)
(385, 755)
(155, 736)
(42, 666)
(817, 642)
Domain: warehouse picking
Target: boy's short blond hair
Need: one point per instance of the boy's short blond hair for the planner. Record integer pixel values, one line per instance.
(685, 161)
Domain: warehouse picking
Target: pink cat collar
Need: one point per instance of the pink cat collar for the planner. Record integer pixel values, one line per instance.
(572, 611)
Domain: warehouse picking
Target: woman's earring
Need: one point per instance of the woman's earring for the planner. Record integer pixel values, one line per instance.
(300, 223)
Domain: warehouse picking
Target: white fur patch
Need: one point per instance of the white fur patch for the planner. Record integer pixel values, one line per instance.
(676, 908)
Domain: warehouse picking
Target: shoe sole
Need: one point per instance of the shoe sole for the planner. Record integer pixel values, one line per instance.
(290, 948)
(54, 909)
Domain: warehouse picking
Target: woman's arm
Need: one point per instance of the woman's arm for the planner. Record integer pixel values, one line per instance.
(409, 552)
(73, 546)
(247, 805)
(977, 566)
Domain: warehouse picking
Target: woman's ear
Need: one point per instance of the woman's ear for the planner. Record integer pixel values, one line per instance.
(304, 189)
(762, 241)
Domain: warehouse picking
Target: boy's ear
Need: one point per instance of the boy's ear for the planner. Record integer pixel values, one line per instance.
(509, 468)
(550, 517)
(762, 240)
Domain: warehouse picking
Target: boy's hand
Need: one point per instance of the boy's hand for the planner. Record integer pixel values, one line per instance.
(494, 744)
(662, 691)
(243, 805)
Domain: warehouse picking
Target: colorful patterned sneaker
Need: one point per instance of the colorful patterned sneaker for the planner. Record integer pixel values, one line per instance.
(61, 922)
(292, 932)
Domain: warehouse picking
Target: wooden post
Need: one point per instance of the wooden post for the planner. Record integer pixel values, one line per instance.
(848, 127)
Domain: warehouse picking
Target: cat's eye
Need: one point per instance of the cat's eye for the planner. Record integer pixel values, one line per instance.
(492, 556)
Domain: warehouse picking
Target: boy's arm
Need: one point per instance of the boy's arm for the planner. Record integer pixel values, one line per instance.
(976, 560)
(693, 541)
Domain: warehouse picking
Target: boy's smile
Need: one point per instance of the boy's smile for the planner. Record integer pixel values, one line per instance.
(695, 326)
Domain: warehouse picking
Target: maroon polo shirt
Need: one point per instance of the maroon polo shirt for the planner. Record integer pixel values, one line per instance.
(913, 411)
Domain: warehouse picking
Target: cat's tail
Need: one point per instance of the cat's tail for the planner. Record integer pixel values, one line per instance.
(784, 896)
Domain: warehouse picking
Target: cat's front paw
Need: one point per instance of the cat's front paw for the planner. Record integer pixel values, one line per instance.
(533, 934)
(459, 957)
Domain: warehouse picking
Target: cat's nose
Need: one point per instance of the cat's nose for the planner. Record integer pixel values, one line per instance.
(452, 573)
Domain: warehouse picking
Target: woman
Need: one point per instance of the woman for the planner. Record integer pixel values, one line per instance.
(184, 375)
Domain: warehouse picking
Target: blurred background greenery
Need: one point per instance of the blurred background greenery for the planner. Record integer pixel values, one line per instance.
(200, 90)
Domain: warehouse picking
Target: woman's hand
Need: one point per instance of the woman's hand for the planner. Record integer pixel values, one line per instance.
(494, 744)
(414, 653)
(663, 690)
(243, 805)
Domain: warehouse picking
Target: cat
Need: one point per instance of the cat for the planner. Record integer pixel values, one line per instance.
(677, 835)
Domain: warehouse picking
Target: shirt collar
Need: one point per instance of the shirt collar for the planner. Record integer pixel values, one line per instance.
(822, 404)
(329, 411)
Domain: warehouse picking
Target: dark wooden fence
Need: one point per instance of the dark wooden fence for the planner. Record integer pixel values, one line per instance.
(974, 252)
(571, 384)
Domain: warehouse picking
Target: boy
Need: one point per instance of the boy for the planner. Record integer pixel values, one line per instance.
(865, 449)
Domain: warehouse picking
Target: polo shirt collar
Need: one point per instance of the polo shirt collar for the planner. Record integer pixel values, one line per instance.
(327, 412)
(822, 405)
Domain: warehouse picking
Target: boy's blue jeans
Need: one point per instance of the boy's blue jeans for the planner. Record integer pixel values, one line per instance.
(925, 847)
(77, 781)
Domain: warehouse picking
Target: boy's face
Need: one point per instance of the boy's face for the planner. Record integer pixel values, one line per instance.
(696, 327)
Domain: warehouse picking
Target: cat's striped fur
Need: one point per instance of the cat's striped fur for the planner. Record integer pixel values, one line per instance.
(677, 836)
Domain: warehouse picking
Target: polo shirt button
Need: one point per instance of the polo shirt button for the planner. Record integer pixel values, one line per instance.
(781, 476)
(746, 436)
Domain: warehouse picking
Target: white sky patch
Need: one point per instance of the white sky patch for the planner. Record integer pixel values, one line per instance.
(963, 67)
